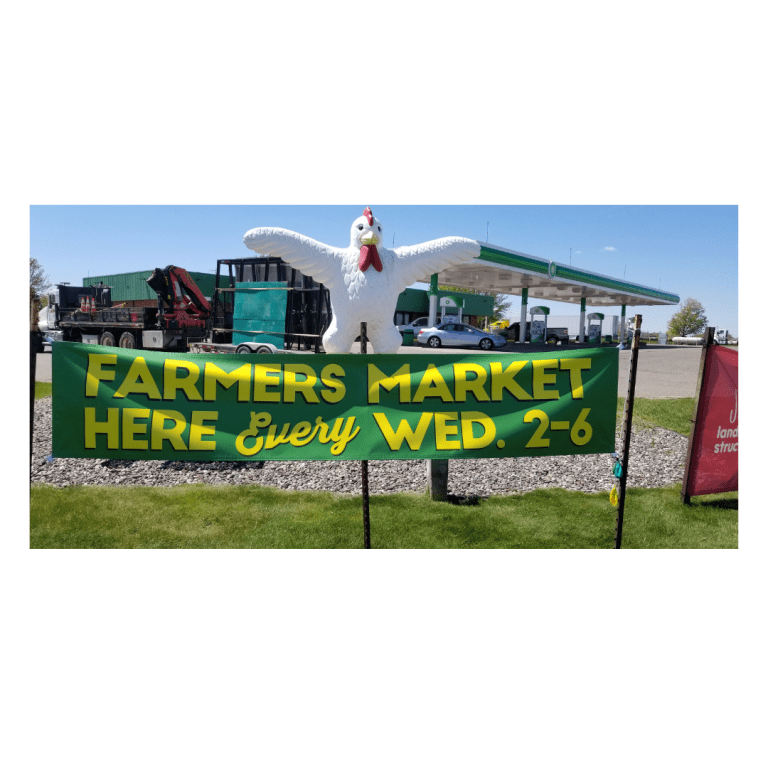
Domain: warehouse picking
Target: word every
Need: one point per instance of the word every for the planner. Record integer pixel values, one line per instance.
(142, 429)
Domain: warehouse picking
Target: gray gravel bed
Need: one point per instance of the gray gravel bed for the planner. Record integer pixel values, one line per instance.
(657, 458)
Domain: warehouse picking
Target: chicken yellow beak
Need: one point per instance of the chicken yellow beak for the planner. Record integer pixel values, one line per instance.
(369, 239)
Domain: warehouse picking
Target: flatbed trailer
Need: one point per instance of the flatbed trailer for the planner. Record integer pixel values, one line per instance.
(86, 314)
(127, 327)
(112, 326)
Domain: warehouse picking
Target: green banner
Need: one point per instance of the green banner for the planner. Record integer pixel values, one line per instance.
(118, 403)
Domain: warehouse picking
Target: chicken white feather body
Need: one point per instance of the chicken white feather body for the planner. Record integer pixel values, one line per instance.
(357, 296)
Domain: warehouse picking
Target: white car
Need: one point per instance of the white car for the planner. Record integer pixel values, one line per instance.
(453, 334)
(415, 325)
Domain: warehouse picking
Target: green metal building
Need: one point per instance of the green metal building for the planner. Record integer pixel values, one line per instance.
(411, 304)
(132, 286)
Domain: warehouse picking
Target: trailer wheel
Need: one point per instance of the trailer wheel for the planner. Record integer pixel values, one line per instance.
(107, 339)
(250, 349)
(127, 340)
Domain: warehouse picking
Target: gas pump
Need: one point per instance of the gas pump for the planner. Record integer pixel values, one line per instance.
(445, 302)
(595, 328)
(539, 327)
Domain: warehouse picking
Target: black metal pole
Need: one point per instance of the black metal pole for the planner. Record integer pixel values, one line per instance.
(364, 462)
(32, 374)
(34, 335)
(627, 429)
(366, 506)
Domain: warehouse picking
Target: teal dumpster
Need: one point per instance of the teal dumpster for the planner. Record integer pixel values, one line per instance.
(407, 337)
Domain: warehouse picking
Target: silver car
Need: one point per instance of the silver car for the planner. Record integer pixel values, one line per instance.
(455, 334)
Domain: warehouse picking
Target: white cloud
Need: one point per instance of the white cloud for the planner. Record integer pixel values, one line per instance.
(609, 248)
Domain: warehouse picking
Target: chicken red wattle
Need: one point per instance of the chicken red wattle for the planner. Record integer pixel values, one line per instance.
(368, 253)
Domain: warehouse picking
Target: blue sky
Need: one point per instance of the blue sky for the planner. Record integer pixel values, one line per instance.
(688, 250)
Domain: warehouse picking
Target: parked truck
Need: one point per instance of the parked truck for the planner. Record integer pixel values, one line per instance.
(87, 314)
(554, 335)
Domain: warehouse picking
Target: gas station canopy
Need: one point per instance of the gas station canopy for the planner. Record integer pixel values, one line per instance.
(501, 270)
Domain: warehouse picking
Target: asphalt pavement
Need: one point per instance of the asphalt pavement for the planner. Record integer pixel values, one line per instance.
(43, 366)
(663, 371)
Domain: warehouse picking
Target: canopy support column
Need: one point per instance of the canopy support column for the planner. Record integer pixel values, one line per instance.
(582, 319)
(623, 331)
(433, 301)
(523, 316)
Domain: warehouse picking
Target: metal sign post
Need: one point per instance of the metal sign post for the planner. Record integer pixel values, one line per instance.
(32, 374)
(364, 462)
(33, 344)
(627, 429)
(709, 338)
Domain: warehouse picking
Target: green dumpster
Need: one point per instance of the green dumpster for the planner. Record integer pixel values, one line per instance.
(407, 337)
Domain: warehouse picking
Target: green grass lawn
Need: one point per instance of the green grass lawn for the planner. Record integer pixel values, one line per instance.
(42, 389)
(200, 516)
(216, 517)
(674, 413)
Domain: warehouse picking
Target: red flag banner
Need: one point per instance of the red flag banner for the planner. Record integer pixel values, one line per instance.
(714, 461)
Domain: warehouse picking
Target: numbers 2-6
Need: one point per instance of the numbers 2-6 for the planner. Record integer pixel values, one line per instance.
(581, 430)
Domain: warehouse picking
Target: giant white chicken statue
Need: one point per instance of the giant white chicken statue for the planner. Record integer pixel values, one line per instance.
(363, 280)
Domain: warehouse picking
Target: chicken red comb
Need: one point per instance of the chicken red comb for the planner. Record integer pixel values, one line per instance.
(368, 213)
